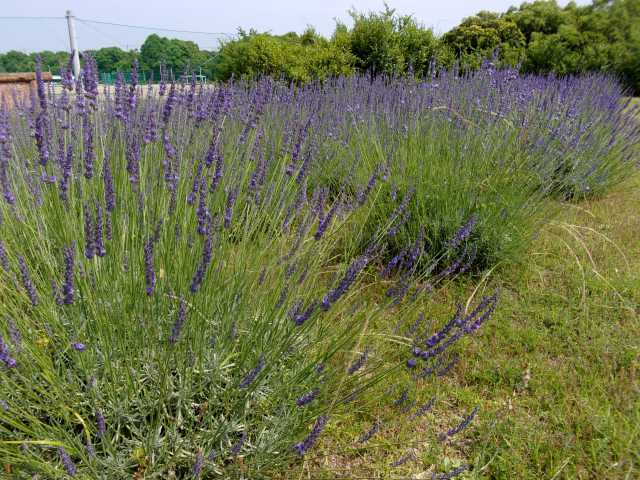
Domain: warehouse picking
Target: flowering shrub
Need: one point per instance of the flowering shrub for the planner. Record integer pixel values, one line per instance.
(179, 265)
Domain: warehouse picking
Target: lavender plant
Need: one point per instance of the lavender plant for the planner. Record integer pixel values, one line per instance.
(192, 329)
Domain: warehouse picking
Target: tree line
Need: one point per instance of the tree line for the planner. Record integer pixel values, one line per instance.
(538, 37)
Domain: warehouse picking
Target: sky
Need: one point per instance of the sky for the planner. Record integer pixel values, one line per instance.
(220, 18)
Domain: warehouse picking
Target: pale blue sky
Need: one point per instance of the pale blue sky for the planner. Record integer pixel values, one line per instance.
(277, 16)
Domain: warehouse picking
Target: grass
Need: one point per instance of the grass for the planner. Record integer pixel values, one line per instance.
(554, 372)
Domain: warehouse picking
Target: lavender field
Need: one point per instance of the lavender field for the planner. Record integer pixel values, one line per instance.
(196, 280)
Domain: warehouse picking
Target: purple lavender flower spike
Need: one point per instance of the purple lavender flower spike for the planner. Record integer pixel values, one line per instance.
(463, 233)
(424, 408)
(89, 153)
(198, 464)
(78, 346)
(69, 466)
(300, 318)
(307, 398)
(91, 451)
(451, 473)
(237, 447)
(169, 103)
(366, 436)
(89, 249)
(356, 267)
(4, 258)
(150, 274)
(26, 281)
(458, 428)
(42, 94)
(205, 261)
(404, 459)
(5, 357)
(14, 334)
(66, 172)
(228, 211)
(253, 373)
(324, 223)
(98, 240)
(132, 97)
(100, 424)
(107, 176)
(67, 286)
(179, 323)
(302, 447)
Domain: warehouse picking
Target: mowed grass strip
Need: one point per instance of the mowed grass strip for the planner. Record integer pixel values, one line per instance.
(554, 372)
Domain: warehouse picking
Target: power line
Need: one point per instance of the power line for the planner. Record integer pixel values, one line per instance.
(31, 18)
(160, 29)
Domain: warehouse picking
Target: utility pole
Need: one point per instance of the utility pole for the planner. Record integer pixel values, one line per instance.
(73, 44)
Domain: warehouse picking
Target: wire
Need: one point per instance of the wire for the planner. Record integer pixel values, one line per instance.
(104, 34)
(152, 28)
(32, 18)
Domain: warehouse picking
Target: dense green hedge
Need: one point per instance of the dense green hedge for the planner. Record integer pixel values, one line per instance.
(540, 36)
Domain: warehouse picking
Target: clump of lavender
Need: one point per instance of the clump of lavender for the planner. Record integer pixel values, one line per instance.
(302, 447)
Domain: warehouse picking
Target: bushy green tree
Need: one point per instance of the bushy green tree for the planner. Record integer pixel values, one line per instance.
(176, 55)
(480, 36)
(113, 59)
(14, 61)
